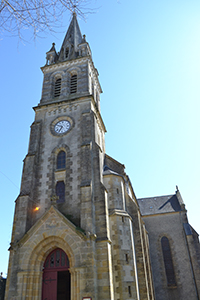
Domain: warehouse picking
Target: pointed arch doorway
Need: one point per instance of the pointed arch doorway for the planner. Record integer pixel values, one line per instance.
(56, 276)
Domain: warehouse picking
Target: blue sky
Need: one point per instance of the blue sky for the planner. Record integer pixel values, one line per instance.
(148, 57)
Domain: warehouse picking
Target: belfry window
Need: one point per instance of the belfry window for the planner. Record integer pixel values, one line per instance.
(73, 84)
(57, 87)
(61, 160)
(169, 268)
(60, 191)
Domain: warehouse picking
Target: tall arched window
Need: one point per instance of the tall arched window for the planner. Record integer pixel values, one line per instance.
(169, 268)
(57, 87)
(61, 160)
(73, 84)
(60, 191)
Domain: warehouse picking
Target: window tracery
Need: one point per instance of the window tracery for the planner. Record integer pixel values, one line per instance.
(56, 259)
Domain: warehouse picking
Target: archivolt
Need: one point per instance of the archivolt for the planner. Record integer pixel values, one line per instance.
(38, 255)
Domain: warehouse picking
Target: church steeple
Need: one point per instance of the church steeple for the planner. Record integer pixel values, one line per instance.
(63, 177)
(74, 45)
(73, 38)
(70, 73)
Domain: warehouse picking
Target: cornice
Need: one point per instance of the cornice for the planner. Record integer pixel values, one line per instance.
(66, 63)
(160, 214)
(119, 212)
(69, 100)
(73, 102)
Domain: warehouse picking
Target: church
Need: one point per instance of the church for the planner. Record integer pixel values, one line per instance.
(79, 231)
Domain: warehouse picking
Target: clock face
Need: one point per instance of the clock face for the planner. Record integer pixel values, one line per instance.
(62, 127)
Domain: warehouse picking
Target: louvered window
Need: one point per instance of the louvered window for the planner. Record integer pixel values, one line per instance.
(73, 84)
(61, 160)
(57, 87)
(60, 191)
(169, 268)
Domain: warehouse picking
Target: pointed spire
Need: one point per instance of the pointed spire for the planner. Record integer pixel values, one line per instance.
(77, 33)
(73, 38)
(52, 48)
(51, 55)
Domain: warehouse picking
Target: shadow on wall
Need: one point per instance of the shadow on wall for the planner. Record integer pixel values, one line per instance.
(173, 201)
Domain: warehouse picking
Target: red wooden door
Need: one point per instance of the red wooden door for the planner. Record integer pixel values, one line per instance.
(49, 285)
(55, 286)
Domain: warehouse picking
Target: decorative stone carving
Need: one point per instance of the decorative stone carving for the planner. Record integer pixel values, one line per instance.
(54, 199)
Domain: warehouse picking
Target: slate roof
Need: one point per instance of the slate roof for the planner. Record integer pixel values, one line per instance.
(159, 205)
(108, 171)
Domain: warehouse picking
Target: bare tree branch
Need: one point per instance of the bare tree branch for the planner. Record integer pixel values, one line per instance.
(38, 15)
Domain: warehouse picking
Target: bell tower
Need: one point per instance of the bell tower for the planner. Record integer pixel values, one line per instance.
(77, 230)
(67, 136)
(62, 202)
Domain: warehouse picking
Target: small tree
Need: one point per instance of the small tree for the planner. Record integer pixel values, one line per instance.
(37, 15)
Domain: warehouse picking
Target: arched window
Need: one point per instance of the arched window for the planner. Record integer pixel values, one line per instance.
(169, 268)
(61, 160)
(73, 84)
(56, 277)
(60, 191)
(66, 52)
(57, 87)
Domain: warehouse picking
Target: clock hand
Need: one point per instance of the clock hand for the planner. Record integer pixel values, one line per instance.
(61, 128)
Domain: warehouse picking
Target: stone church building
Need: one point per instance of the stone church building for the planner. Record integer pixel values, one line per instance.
(79, 232)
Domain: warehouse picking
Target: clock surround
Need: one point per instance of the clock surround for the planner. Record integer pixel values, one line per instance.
(61, 126)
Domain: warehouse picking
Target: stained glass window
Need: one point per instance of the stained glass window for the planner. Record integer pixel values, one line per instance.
(56, 259)
(61, 160)
(60, 191)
